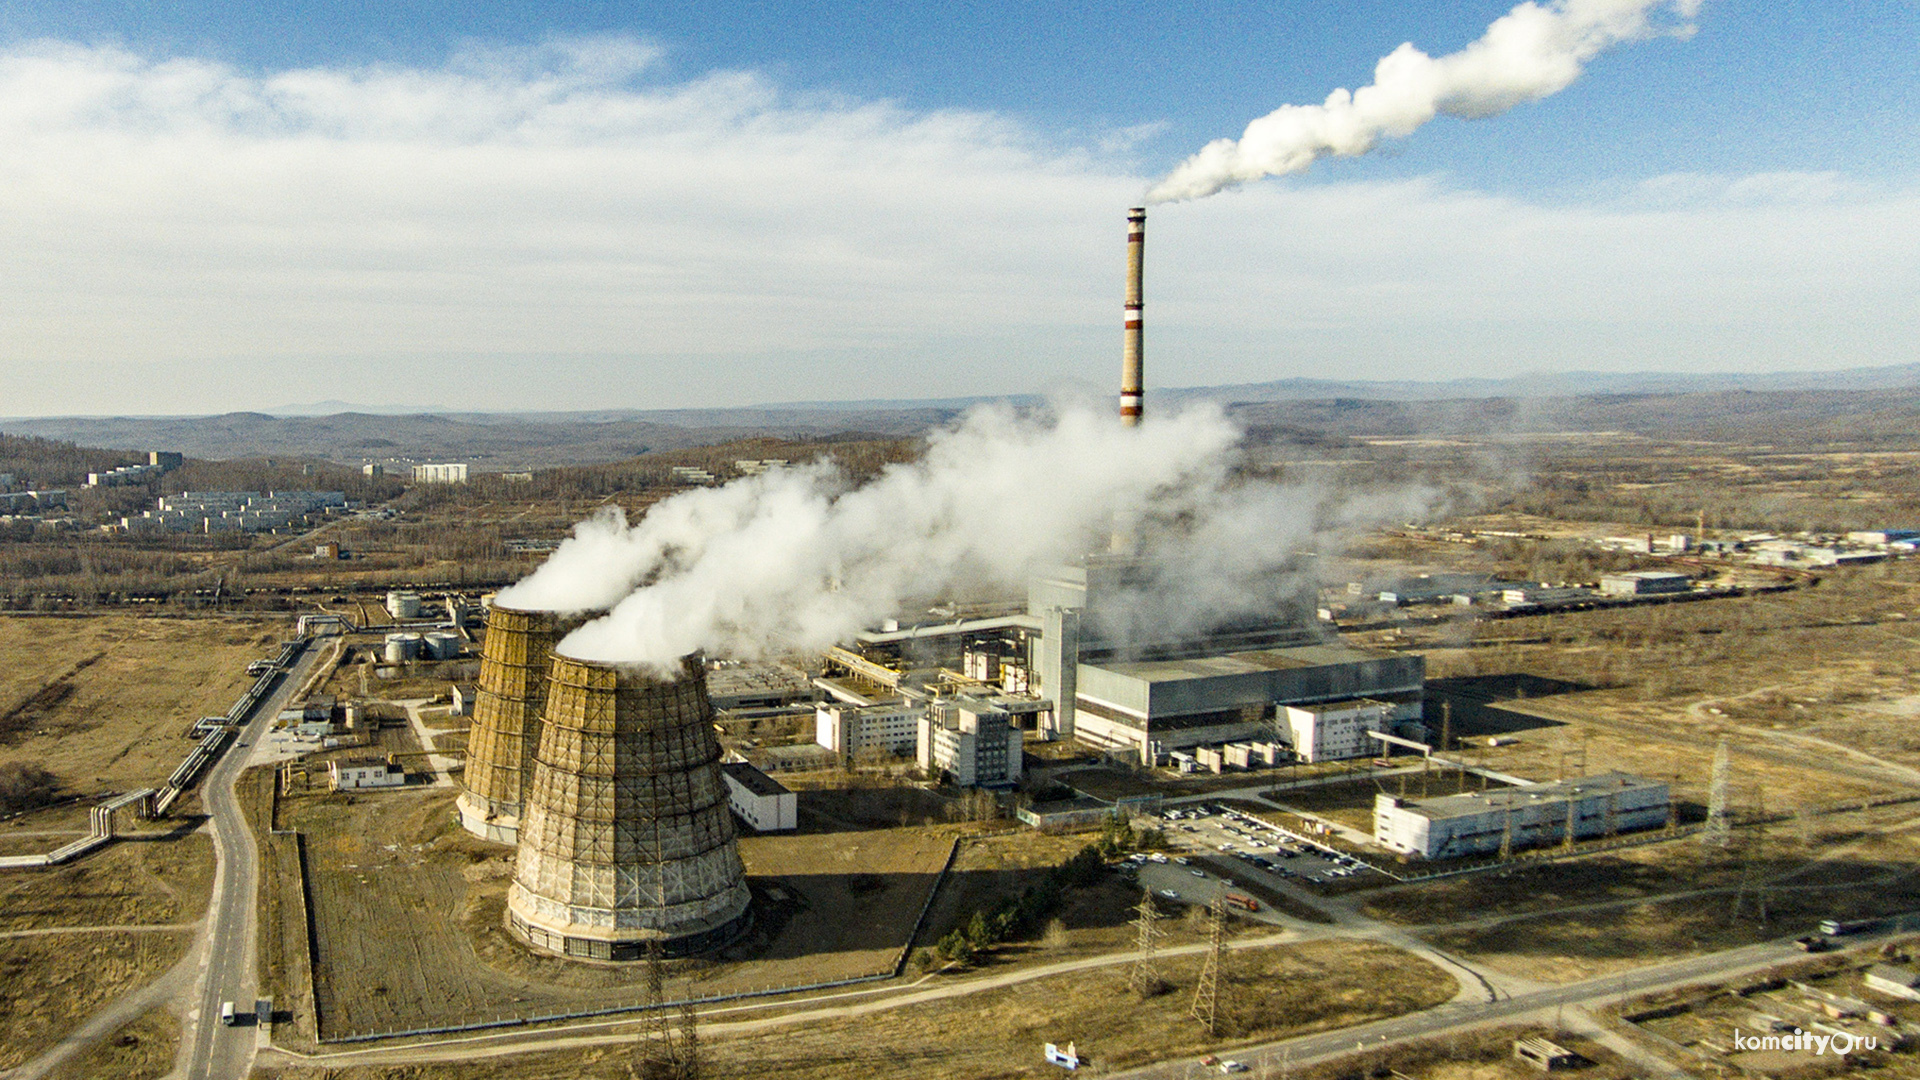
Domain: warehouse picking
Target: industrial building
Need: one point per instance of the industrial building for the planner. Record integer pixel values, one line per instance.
(1159, 705)
(971, 742)
(626, 840)
(1645, 583)
(759, 800)
(1532, 815)
(449, 473)
(356, 775)
(852, 731)
(1336, 730)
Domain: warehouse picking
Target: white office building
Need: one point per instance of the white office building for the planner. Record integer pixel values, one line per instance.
(1333, 730)
(852, 730)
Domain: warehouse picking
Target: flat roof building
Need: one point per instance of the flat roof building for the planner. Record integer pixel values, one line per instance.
(1531, 815)
(1644, 583)
(1156, 705)
(759, 799)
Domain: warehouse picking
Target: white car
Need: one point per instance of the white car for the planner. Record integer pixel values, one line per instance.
(1231, 1066)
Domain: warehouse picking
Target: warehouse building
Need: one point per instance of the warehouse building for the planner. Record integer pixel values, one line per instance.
(1533, 815)
(759, 799)
(1160, 705)
(1644, 583)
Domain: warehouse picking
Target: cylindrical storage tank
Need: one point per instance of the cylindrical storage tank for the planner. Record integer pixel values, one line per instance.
(401, 647)
(403, 605)
(627, 839)
(508, 701)
(441, 645)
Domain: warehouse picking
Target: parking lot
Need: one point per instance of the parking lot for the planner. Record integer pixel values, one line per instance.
(1262, 848)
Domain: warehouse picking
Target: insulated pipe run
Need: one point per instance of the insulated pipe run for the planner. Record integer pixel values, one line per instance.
(1132, 377)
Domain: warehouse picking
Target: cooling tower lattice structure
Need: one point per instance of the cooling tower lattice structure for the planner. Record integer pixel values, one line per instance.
(626, 837)
(508, 704)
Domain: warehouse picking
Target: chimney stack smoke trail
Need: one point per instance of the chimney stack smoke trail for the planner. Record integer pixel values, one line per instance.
(1534, 51)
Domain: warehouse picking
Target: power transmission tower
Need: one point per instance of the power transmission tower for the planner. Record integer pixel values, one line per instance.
(1206, 992)
(1719, 825)
(657, 1056)
(1144, 980)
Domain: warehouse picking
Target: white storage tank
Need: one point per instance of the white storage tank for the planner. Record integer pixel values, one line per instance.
(402, 647)
(403, 605)
(441, 645)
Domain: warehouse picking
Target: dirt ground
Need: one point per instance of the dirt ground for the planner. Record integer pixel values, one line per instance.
(104, 701)
(142, 1050)
(148, 882)
(386, 868)
(1266, 993)
(1579, 918)
(48, 984)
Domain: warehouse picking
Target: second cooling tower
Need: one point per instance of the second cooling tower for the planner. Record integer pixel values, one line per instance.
(509, 701)
(626, 838)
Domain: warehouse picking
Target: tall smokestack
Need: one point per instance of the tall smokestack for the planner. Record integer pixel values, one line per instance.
(1132, 378)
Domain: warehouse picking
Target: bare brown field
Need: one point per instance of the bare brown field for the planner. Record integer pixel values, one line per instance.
(141, 1050)
(104, 701)
(1587, 917)
(158, 880)
(387, 870)
(49, 984)
(1266, 993)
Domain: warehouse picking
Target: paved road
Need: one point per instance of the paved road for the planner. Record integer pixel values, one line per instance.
(207, 1049)
(211, 1050)
(1462, 1014)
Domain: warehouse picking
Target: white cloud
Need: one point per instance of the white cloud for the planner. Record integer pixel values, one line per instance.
(564, 227)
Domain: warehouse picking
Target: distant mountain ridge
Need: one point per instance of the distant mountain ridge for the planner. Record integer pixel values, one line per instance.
(1885, 399)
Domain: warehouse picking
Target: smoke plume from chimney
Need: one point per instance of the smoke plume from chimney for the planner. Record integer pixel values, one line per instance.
(800, 558)
(1531, 52)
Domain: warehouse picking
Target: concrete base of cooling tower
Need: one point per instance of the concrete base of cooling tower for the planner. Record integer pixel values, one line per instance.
(486, 821)
(624, 946)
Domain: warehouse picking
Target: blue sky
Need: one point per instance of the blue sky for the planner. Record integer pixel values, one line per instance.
(237, 205)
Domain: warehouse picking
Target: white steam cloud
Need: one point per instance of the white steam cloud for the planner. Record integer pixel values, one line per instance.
(1531, 52)
(800, 558)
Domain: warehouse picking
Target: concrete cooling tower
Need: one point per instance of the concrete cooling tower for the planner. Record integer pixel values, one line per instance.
(626, 838)
(510, 698)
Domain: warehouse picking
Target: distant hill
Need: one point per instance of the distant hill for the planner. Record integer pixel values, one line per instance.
(1791, 408)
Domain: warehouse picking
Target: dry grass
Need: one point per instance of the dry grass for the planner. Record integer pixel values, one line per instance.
(387, 869)
(142, 1050)
(104, 701)
(50, 984)
(129, 882)
(1267, 994)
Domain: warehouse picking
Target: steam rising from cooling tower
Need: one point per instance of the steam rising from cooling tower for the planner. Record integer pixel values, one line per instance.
(801, 558)
(1533, 51)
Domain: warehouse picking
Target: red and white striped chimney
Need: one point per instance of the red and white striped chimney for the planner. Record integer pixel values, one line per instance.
(1132, 377)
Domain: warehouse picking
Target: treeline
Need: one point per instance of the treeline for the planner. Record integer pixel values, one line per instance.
(51, 463)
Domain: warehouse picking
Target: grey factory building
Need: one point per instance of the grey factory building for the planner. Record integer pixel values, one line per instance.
(1531, 815)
